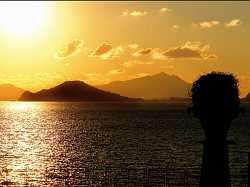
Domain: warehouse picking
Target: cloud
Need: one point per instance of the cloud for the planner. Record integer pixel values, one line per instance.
(125, 13)
(92, 74)
(134, 13)
(71, 49)
(128, 64)
(212, 56)
(116, 71)
(107, 51)
(117, 51)
(157, 55)
(188, 50)
(207, 24)
(175, 26)
(142, 52)
(169, 67)
(193, 50)
(102, 49)
(133, 46)
(164, 9)
(131, 63)
(138, 13)
(138, 75)
(234, 23)
(93, 78)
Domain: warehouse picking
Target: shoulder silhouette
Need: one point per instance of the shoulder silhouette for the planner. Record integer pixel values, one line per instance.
(215, 98)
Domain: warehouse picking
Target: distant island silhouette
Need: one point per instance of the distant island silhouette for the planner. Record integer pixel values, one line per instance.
(74, 91)
(9, 92)
(246, 99)
(157, 86)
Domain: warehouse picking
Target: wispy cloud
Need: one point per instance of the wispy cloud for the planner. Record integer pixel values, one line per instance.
(209, 24)
(102, 49)
(212, 56)
(142, 52)
(133, 46)
(95, 78)
(132, 55)
(175, 26)
(138, 13)
(134, 13)
(116, 71)
(128, 64)
(193, 50)
(117, 51)
(107, 51)
(188, 50)
(157, 55)
(71, 49)
(125, 13)
(92, 74)
(138, 75)
(131, 63)
(206, 24)
(164, 9)
(234, 23)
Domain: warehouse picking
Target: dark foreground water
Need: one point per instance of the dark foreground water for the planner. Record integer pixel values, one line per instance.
(108, 144)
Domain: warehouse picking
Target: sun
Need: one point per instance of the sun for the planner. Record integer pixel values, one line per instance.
(21, 17)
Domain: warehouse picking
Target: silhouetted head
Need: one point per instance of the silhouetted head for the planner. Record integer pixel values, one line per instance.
(215, 98)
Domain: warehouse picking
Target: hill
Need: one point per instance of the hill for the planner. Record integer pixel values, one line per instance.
(8, 92)
(246, 98)
(158, 86)
(74, 91)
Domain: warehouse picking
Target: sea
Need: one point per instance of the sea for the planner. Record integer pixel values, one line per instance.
(110, 144)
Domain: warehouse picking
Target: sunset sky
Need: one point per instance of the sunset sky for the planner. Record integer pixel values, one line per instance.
(45, 43)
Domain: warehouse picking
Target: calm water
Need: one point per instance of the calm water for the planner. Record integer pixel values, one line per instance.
(58, 144)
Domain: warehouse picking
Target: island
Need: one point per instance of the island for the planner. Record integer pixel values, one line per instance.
(75, 91)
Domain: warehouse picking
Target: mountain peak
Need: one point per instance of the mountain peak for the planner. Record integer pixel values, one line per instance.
(164, 75)
(72, 84)
(76, 82)
(157, 86)
(8, 85)
(74, 91)
(161, 74)
(10, 92)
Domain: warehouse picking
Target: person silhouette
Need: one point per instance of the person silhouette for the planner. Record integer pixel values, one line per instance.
(215, 102)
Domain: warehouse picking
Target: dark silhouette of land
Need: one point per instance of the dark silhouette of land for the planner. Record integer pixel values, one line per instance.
(8, 92)
(246, 99)
(74, 91)
(215, 98)
(158, 86)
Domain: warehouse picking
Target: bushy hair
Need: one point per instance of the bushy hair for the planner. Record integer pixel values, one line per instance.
(215, 90)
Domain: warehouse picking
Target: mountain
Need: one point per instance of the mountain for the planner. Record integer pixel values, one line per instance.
(74, 91)
(9, 92)
(246, 99)
(158, 86)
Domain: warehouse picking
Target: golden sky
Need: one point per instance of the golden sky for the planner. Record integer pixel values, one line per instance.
(45, 43)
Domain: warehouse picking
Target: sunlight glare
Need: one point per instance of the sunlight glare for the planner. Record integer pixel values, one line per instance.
(22, 17)
(20, 106)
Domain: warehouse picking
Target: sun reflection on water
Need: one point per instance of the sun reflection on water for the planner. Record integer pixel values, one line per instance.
(21, 105)
(22, 144)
